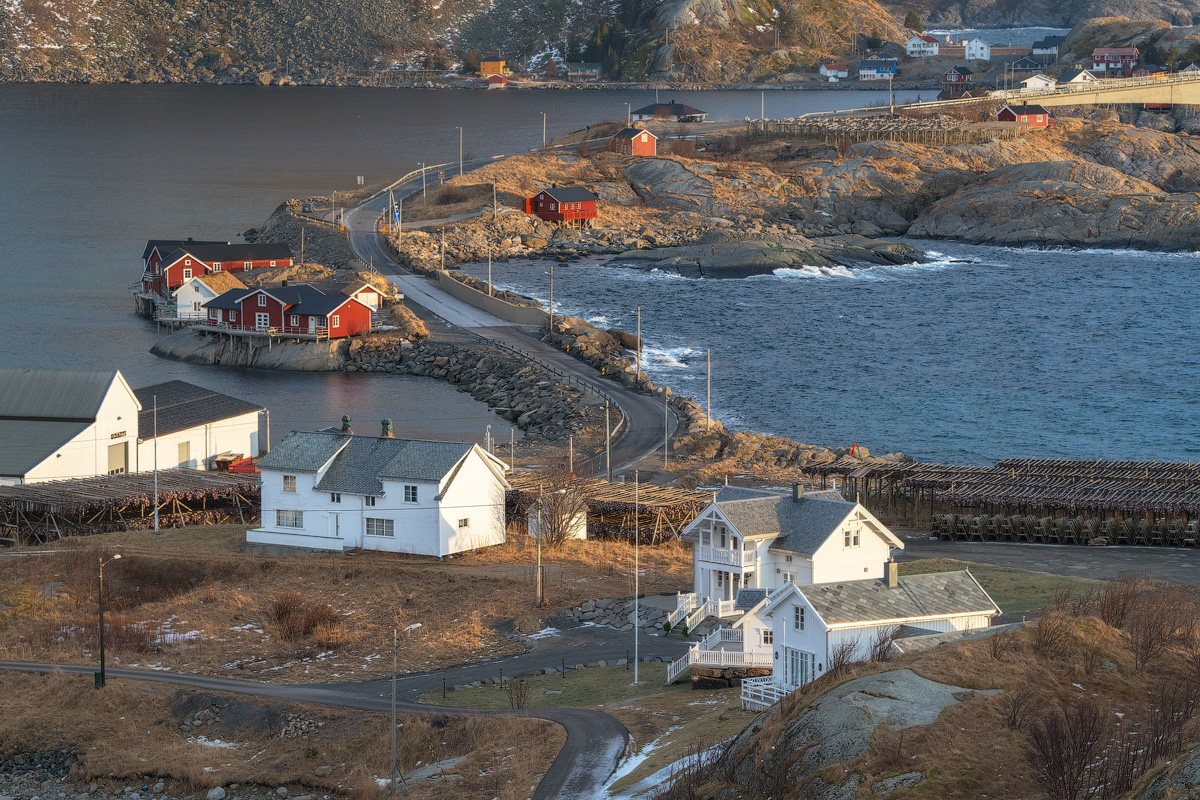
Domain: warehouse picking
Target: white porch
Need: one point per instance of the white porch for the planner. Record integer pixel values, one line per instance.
(721, 648)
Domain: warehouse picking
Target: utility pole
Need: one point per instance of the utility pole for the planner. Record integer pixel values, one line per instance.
(543, 130)
(302, 244)
(495, 205)
(708, 411)
(422, 184)
(443, 248)
(551, 302)
(156, 463)
(512, 448)
(607, 442)
(460, 160)
(628, 115)
(891, 97)
(538, 593)
(394, 637)
(636, 584)
(489, 270)
(571, 454)
(100, 602)
(639, 347)
(666, 425)
(762, 105)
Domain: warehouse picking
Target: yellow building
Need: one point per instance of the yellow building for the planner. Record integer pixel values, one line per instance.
(490, 67)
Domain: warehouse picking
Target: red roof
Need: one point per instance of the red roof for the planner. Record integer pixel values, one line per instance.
(837, 67)
(1115, 51)
(927, 39)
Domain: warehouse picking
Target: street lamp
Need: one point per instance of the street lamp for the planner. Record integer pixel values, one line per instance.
(541, 502)
(628, 114)
(460, 160)
(422, 163)
(543, 130)
(100, 601)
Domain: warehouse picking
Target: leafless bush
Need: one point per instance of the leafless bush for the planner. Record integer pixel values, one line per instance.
(1052, 635)
(1063, 749)
(688, 780)
(683, 147)
(564, 498)
(297, 617)
(1116, 601)
(1018, 706)
(1091, 654)
(888, 752)
(841, 658)
(583, 149)
(1162, 617)
(451, 195)
(881, 647)
(843, 146)
(517, 693)
(1001, 644)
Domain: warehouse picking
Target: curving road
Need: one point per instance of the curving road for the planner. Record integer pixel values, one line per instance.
(596, 741)
(645, 422)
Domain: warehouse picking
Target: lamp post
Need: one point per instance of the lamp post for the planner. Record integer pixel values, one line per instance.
(460, 160)
(636, 586)
(100, 602)
(543, 130)
(628, 114)
(422, 184)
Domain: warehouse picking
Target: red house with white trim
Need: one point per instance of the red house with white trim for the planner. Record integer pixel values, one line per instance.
(300, 311)
(1033, 116)
(634, 142)
(1114, 59)
(572, 205)
(168, 268)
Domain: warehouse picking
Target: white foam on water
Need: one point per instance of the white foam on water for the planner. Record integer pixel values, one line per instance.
(667, 357)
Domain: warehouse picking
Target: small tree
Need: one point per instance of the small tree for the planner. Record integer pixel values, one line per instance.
(913, 22)
(563, 501)
(470, 62)
(881, 647)
(874, 42)
(1064, 747)
(1162, 615)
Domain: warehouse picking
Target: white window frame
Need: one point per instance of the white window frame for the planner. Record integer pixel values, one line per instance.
(232, 316)
(295, 320)
(212, 313)
(247, 265)
(262, 320)
(464, 523)
(768, 636)
(195, 305)
(334, 321)
(187, 274)
(216, 267)
(272, 263)
(262, 299)
(289, 484)
(410, 493)
(377, 526)
(335, 497)
(288, 518)
(798, 617)
(369, 501)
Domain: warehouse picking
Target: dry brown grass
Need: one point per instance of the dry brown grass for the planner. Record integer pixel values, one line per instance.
(129, 730)
(447, 612)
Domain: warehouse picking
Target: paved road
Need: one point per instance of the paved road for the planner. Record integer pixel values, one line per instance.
(1104, 563)
(595, 744)
(645, 424)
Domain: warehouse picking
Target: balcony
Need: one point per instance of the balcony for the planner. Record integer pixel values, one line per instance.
(726, 556)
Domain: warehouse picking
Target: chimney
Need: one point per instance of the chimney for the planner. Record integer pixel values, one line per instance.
(346, 429)
(797, 492)
(386, 433)
(891, 574)
(190, 240)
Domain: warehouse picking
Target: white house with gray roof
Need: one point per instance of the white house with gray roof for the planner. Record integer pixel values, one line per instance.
(337, 491)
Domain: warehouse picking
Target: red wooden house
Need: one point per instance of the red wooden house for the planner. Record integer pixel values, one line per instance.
(297, 311)
(958, 75)
(171, 270)
(1031, 115)
(634, 142)
(572, 205)
(1114, 59)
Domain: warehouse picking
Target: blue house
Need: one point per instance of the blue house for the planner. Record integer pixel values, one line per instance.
(877, 68)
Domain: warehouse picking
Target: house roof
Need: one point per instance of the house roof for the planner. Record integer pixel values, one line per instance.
(927, 39)
(183, 405)
(1069, 75)
(220, 282)
(800, 526)
(54, 395)
(1039, 77)
(322, 305)
(631, 133)
(960, 70)
(671, 109)
(1025, 62)
(836, 67)
(581, 66)
(748, 598)
(231, 300)
(1115, 51)
(570, 194)
(167, 245)
(1189, 67)
(1048, 42)
(934, 594)
(223, 252)
(1025, 110)
(28, 442)
(361, 463)
(877, 57)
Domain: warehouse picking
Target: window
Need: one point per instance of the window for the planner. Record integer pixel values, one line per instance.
(722, 532)
(295, 319)
(381, 527)
(851, 537)
(262, 299)
(768, 636)
(216, 267)
(798, 617)
(335, 497)
(748, 579)
(464, 523)
(262, 320)
(272, 263)
(212, 313)
(187, 261)
(789, 577)
(333, 321)
(410, 494)
(187, 273)
(248, 264)
(289, 519)
(788, 559)
(233, 316)
(552, 206)
(369, 501)
(185, 453)
(289, 483)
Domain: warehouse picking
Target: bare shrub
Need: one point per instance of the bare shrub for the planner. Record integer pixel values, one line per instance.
(1063, 749)
(451, 195)
(888, 752)
(517, 693)
(298, 617)
(331, 635)
(1116, 601)
(841, 658)
(1052, 635)
(843, 146)
(691, 773)
(1018, 706)
(1001, 644)
(1163, 615)
(683, 147)
(881, 647)
(583, 149)
(564, 498)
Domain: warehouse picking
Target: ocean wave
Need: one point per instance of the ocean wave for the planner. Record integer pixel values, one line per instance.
(667, 357)
(874, 272)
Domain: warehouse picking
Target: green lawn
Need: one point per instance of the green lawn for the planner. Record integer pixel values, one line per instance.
(1016, 591)
(582, 688)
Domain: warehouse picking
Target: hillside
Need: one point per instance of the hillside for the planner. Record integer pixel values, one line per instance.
(303, 41)
(1048, 13)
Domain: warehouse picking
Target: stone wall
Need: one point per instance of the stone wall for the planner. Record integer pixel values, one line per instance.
(724, 677)
(618, 613)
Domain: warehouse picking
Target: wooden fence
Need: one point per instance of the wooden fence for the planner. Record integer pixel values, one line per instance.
(831, 134)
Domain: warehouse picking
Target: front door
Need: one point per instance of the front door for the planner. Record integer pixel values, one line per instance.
(799, 666)
(262, 320)
(335, 526)
(312, 324)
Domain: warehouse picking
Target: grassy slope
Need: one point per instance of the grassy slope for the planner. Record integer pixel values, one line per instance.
(1016, 591)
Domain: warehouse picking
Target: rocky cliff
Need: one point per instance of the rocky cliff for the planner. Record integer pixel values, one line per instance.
(1046, 13)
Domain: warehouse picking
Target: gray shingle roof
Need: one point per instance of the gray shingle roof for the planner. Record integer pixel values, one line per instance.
(27, 443)
(72, 395)
(570, 194)
(748, 598)
(303, 452)
(802, 526)
(361, 463)
(165, 246)
(183, 405)
(223, 251)
(930, 595)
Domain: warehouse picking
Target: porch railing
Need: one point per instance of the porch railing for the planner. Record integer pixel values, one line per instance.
(727, 556)
(696, 657)
(759, 694)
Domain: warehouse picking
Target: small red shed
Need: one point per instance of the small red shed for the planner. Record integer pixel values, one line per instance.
(1033, 116)
(567, 204)
(634, 142)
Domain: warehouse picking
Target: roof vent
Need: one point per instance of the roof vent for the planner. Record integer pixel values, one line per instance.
(386, 431)
(346, 425)
(891, 574)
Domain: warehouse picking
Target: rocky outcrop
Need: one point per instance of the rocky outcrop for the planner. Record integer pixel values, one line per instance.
(1066, 204)
(708, 189)
(1048, 13)
(1171, 163)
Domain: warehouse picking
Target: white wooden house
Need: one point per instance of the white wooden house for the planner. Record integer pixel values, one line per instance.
(1076, 77)
(809, 624)
(335, 491)
(1038, 83)
(921, 46)
(60, 424)
(835, 70)
(189, 299)
(977, 50)
(747, 539)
